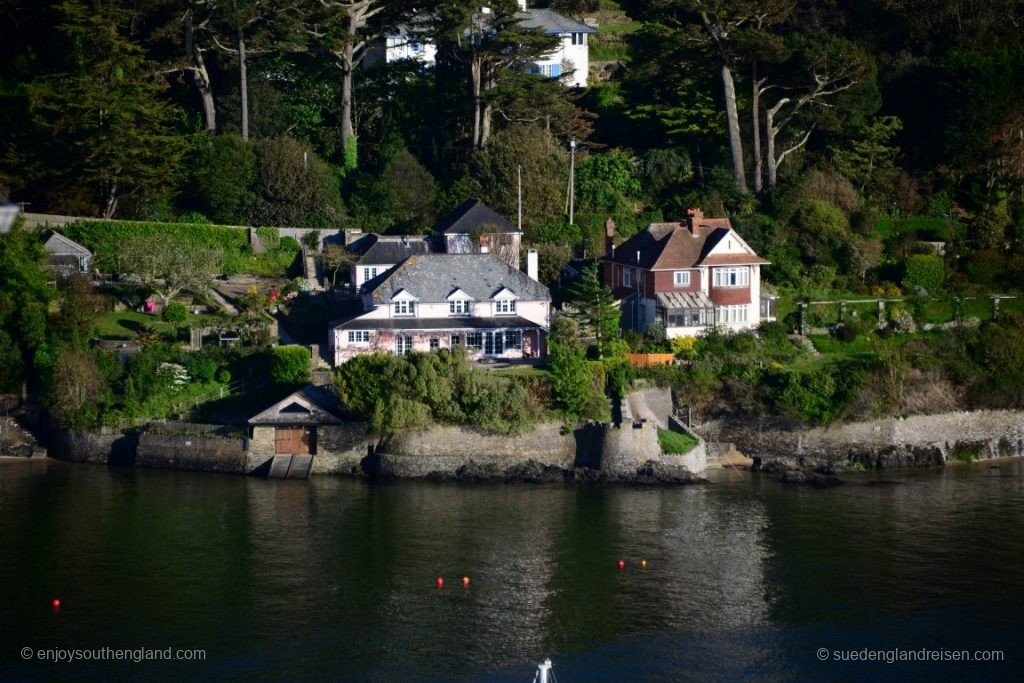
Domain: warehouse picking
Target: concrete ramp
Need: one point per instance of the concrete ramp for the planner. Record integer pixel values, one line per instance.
(288, 466)
(300, 467)
(279, 467)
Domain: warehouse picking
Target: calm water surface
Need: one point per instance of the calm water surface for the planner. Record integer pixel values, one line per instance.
(334, 578)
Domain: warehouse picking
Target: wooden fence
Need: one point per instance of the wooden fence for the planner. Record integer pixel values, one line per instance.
(642, 360)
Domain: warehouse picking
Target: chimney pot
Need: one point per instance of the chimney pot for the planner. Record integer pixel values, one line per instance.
(609, 236)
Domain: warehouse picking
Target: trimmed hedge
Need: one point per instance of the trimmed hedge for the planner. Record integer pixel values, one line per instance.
(104, 238)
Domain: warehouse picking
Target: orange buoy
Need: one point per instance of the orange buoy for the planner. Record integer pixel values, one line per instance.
(56, 603)
(440, 582)
(465, 582)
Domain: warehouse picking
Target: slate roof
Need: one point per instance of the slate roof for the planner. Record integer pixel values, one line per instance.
(57, 243)
(309, 405)
(668, 246)
(389, 250)
(472, 215)
(453, 323)
(553, 22)
(432, 277)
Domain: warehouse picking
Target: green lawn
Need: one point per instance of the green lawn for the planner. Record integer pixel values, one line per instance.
(675, 443)
(126, 324)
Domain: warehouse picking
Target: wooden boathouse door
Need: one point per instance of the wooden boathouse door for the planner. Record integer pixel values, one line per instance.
(295, 440)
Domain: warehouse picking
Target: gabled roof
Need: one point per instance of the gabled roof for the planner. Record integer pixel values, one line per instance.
(432, 277)
(309, 405)
(59, 244)
(472, 215)
(681, 244)
(387, 250)
(451, 324)
(552, 22)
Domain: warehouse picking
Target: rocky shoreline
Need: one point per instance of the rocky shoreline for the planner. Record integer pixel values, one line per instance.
(535, 472)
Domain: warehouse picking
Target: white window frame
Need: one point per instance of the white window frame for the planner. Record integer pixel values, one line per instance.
(681, 278)
(369, 272)
(404, 308)
(458, 307)
(474, 340)
(403, 345)
(358, 336)
(504, 307)
(732, 277)
(728, 315)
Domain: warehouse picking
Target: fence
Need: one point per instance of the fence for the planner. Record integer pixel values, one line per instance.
(642, 360)
(814, 315)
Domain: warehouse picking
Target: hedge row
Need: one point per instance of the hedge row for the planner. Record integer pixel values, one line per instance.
(104, 237)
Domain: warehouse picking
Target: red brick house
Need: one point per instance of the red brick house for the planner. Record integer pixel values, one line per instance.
(689, 275)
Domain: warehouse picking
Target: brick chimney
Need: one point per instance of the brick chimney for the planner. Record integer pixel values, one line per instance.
(609, 235)
(693, 220)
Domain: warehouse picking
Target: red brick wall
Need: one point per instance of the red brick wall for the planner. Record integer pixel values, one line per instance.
(730, 296)
(664, 281)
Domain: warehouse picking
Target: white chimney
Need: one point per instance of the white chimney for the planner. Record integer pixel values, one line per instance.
(531, 264)
(522, 5)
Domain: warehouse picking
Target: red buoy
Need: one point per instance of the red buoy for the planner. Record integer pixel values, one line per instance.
(56, 603)
(622, 564)
(440, 582)
(465, 582)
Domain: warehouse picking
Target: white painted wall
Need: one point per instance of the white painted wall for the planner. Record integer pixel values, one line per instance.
(577, 55)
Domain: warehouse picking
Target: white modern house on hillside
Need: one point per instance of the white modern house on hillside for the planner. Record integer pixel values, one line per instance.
(570, 61)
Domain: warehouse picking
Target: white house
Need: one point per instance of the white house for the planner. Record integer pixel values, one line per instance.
(570, 61)
(442, 301)
(688, 275)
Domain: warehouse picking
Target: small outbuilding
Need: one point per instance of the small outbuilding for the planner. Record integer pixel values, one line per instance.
(66, 256)
(294, 424)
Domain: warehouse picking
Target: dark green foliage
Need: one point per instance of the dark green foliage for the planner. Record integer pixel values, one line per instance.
(225, 171)
(289, 364)
(926, 271)
(402, 392)
(106, 238)
(592, 306)
(174, 313)
(294, 187)
(24, 297)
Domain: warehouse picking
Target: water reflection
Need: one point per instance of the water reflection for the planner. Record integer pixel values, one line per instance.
(336, 577)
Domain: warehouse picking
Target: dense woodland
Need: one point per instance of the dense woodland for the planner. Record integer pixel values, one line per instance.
(811, 122)
(841, 137)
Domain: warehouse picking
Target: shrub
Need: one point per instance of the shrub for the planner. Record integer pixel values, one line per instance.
(224, 174)
(926, 271)
(202, 368)
(289, 364)
(174, 313)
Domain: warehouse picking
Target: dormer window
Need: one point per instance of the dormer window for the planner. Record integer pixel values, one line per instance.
(458, 307)
(405, 308)
(504, 302)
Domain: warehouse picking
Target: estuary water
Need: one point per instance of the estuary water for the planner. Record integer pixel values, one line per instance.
(745, 579)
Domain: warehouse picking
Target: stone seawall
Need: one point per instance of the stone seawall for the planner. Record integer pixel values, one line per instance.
(442, 451)
(190, 452)
(916, 441)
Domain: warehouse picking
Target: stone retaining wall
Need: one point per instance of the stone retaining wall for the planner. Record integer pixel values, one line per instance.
(918, 440)
(443, 450)
(181, 452)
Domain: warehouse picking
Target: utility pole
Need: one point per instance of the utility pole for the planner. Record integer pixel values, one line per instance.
(572, 178)
(519, 178)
